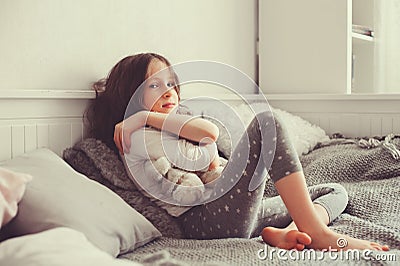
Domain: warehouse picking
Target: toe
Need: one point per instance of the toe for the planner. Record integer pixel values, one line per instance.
(300, 247)
(303, 238)
(376, 246)
(266, 233)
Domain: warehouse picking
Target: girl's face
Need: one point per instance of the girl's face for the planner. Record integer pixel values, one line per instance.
(159, 92)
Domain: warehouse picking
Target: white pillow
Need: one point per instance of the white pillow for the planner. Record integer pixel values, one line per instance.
(56, 247)
(302, 133)
(58, 196)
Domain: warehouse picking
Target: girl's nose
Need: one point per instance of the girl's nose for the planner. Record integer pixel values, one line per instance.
(167, 94)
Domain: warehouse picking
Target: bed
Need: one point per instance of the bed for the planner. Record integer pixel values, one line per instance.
(368, 169)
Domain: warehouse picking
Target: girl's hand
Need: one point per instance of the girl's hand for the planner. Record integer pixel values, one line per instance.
(213, 152)
(215, 162)
(124, 129)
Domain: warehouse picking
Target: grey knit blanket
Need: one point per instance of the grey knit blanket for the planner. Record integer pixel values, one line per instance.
(370, 175)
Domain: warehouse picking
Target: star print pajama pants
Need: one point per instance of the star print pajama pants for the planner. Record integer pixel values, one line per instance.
(244, 209)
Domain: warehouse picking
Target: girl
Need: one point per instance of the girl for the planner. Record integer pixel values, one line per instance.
(295, 220)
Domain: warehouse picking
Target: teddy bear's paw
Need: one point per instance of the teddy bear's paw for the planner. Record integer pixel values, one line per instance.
(191, 180)
(210, 176)
(162, 165)
(187, 195)
(174, 175)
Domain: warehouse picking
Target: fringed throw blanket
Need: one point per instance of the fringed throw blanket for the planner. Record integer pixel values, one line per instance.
(371, 176)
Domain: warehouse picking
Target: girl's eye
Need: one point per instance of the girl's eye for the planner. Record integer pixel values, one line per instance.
(171, 84)
(153, 86)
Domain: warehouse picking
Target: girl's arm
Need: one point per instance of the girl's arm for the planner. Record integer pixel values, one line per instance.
(194, 129)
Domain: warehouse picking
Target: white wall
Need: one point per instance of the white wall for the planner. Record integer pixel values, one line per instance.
(67, 44)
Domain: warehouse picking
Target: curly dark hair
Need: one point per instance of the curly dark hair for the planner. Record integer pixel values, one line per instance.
(114, 93)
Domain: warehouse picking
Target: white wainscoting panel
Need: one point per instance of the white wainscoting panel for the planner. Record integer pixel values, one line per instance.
(355, 125)
(20, 136)
(41, 119)
(350, 115)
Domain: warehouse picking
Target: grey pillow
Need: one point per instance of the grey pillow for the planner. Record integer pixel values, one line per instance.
(58, 196)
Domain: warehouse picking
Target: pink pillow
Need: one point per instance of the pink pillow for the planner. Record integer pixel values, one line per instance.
(12, 188)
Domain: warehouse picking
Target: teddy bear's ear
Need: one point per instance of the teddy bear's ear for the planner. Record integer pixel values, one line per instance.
(162, 165)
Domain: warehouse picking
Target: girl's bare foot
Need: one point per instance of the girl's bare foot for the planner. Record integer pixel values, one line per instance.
(293, 239)
(285, 238)
(337, 241)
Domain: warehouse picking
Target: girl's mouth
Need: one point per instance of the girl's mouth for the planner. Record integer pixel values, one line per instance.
(168, 105)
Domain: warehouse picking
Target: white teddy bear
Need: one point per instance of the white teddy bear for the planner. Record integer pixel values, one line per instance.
(187, 179)
(190, 185)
